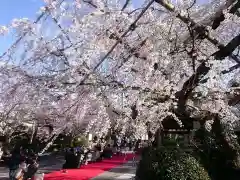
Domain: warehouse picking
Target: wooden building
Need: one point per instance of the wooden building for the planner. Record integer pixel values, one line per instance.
(184, 134)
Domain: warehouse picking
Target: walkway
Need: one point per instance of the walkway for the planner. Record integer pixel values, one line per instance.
(124, 172)
(119, 167)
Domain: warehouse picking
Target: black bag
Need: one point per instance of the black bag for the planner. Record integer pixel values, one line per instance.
(31, 170)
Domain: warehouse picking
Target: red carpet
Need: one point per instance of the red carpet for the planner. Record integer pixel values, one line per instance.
(89, 171)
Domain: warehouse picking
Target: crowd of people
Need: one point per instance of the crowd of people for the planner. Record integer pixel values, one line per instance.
(75, 157)
(23, 163)
(99, 150)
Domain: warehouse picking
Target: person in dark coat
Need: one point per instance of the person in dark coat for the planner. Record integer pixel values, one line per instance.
(33, 166)
(15, 160)
(137, 146)
(78, 157)
(71, 160)
(107, 152)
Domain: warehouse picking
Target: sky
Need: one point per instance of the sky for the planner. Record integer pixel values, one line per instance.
(10, 9)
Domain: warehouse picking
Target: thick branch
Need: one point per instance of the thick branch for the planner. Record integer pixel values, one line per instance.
(189, 86)
(228, 49)
(231, 69)
(218, 12)
(199, 29)
(234, 101)
(235, 9)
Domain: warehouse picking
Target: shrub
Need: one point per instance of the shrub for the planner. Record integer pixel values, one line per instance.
(169, 163)
(80, 141)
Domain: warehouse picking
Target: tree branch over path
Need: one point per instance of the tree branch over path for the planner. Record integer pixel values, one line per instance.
(218, 13)
(201, 30)
(202, 70)
(189, 86)
(231, 146)
(130, 28)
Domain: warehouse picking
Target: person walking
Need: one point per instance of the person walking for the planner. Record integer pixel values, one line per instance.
(70, 159)
(15, 172)
(33, 165)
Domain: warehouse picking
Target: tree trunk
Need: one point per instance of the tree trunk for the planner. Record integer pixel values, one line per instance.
(158, 137)
(227, 163)
(34, 132)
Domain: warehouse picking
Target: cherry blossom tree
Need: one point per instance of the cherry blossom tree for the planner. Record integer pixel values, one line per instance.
(91, 66)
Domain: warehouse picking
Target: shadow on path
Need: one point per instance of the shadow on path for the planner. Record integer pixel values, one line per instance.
(124, 172)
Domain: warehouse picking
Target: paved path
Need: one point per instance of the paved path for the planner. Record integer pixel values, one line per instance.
(54, 163)
(123, 172)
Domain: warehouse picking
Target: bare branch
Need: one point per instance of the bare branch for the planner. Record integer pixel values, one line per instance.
(228, 49)
(231, 69)
(125, 5)
(235, 9)
(89, 2)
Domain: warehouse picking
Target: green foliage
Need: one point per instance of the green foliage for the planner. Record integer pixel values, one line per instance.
(212, 153)
(169, 163)
(79, 141)
(170, 142)
(20, 139)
